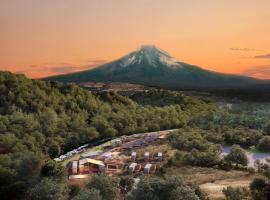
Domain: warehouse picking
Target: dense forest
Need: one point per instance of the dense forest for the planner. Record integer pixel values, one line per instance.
(40, 120)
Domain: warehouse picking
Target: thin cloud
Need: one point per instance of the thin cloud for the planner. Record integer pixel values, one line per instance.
(97, 61)
(265, 56)
(49, 69)
(262, 72)
(68, 69)
(243, 49)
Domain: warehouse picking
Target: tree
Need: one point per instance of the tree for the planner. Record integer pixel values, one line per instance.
(7, 142)
(88, 194)
(48, 189)
(126, 183)
(52, 169)
(260, 188)
(106, 185)
(53, 149)
(206, 158)
(74, 189)
(183, 193)
(168, 188)
(188, 140)
(48, 121)
(236, 193)
(264, 144)
(237, 156)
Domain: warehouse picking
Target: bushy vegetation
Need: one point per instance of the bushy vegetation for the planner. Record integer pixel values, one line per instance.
(260, 188)
(264, 144)
(106, 185)
(236, 193)
(237, 156)
(199, 151)
(48, 189)
(168, 188)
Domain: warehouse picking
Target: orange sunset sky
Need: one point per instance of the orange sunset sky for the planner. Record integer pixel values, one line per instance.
(47, 37)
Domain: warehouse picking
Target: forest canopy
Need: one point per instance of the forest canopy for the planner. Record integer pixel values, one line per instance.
(40, 119)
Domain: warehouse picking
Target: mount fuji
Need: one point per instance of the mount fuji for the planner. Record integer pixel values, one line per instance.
(151, 66)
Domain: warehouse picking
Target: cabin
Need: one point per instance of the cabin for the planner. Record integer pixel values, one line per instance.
(88, 165)
(146, 156)
(116, 142)
(127, 146)
(149, 169)
(131, 168)
(133, 156)
(113, 168)
(137, 143)
(134, 168)
(159, 156)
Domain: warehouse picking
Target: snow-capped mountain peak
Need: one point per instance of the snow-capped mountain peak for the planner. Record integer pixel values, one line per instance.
(150, 55)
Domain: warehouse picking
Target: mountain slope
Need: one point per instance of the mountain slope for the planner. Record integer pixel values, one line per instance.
(153, 67)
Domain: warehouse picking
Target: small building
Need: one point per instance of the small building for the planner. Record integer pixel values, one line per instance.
(124, 138)
(137, 143)
(113, 168)
(133, 156)
(146, 156)
(131, 168)
(62, 157)
(116, 142)
(91, 154)
(109, 155)
(229, 106)
(159, 156)
(57, 159)
(147, 168)
(134, 168)
(88, 165)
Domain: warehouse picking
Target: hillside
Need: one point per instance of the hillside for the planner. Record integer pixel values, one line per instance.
(39, 120)
(152, 66)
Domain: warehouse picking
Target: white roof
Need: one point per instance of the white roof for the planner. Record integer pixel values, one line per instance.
(133, 154)
(110, 154)
(159, 154)
(92, 153)
(116, 140)
(132, 165)
(148, 166)
(89, 160)
(83, 146)
(146, 154)
(62, 157)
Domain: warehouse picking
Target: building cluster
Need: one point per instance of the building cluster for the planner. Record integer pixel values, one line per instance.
(120, 157)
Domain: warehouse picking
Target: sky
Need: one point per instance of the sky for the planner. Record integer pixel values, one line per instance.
(47, 37)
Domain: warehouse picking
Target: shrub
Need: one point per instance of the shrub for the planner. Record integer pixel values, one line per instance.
(237, 156)
(264, 144)
(236, 193)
